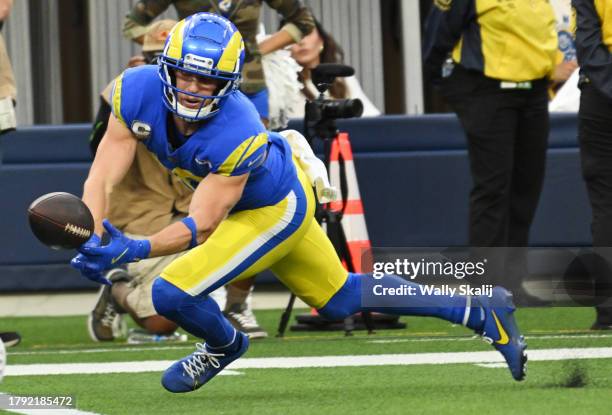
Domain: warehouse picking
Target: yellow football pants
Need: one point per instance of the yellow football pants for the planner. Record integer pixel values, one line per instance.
(284, 238)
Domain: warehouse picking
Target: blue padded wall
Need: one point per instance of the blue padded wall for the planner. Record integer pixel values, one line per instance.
(413, 174)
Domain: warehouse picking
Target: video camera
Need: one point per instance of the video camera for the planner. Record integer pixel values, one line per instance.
(320, 114)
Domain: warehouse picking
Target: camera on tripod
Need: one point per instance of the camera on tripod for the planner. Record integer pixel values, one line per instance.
(320, 114)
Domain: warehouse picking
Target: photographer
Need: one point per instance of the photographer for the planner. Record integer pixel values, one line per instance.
(320, 47)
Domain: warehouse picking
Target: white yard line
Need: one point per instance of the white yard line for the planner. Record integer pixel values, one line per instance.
(491, 365)
(189, 346)
(185, 346)
(534, 336)
(312, 362)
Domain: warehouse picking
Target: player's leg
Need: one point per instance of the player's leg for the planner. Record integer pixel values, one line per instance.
(244, 244)
(313, 272)
(135, 296)
(136, 299)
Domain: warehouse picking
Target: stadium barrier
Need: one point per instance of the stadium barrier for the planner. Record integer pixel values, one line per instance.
(413, 174)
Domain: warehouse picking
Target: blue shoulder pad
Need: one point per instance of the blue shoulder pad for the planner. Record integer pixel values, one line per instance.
(133, 89)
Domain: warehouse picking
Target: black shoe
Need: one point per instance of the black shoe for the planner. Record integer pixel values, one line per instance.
(10, 338)
(105, 322)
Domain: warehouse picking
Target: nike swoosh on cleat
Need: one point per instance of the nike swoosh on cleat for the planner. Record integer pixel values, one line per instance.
(503, 336)
(119, 257)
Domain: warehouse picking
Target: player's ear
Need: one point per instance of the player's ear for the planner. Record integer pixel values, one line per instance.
(161, 36)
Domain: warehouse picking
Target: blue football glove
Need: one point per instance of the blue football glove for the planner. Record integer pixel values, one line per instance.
(91, 271)
(120, 250)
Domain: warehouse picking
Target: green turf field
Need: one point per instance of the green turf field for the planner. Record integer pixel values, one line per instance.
(571, 386)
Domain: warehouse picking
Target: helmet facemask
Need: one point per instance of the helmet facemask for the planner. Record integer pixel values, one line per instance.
(209, 105)
(206, 46)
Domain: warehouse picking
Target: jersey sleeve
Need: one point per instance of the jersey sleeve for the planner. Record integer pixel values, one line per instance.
(594, 56)
(242, 158)
(117, 100)
(141, 15)
(298, 19)
(443, 29)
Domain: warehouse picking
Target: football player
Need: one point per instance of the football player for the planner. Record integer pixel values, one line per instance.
(145, 201)
(252, 209)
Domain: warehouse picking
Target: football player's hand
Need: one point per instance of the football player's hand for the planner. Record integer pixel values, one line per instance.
(120, 250)
(91, 271)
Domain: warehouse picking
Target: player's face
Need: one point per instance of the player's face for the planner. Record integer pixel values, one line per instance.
(194, 84)
(306, 51)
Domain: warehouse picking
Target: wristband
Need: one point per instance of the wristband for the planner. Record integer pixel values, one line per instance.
(143, 249)
(191, 225)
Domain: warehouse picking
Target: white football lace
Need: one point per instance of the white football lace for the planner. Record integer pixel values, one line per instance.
(200, 360)
(487, 339)
(109, 315)
(484, 338)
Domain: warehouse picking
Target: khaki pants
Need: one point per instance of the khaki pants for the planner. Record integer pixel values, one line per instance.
(144, 273)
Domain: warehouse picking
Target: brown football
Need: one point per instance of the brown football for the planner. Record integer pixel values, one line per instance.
(60, 220)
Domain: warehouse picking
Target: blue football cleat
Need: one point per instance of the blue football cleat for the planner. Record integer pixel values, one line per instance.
(193, 371)
(500, 330)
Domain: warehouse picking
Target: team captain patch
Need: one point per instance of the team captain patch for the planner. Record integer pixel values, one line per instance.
(141, 130)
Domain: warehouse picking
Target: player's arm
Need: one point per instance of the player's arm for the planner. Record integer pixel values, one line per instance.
(141, 15)
(113, 159)
(299, 23)
(212, 201)
(443, 29)
(593, 54)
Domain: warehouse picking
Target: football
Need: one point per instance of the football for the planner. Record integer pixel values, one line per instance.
(60, 220)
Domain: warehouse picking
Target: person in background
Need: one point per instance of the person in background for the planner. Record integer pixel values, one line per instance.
(594, 49)
(493, 62)
(8, 118)
(320, 47)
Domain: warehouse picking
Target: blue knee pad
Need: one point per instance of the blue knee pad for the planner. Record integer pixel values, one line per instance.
(166, 298)
(346, 302)
(199, 315)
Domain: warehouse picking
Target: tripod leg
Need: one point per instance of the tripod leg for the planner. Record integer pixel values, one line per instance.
(349, 326)
(282, 325)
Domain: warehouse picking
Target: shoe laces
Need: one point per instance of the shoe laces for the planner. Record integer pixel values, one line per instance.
(245, 318)
(486, 339)
(200, 360)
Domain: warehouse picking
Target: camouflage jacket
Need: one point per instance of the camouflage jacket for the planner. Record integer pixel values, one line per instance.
(243, 13)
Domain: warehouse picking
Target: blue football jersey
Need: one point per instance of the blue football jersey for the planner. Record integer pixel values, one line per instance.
(232, 143)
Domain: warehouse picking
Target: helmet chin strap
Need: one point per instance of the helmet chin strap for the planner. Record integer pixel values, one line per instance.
(189, 114)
